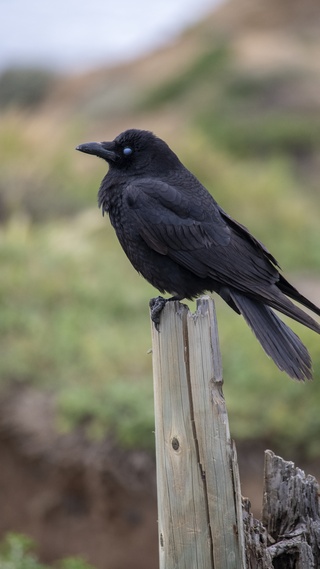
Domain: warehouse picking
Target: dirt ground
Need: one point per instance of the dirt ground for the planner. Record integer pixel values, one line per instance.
(74, 497)
(76, 511)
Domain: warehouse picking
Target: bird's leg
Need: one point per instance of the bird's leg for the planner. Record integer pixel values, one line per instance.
(157, 305)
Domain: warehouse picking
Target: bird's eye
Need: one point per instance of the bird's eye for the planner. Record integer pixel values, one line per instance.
(127, 151)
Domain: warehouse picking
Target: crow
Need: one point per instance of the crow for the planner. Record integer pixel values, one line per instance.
(182, 242)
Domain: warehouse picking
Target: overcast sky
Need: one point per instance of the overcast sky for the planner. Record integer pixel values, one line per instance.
(73, 35)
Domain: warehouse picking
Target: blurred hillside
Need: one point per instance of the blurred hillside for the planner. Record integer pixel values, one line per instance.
(238, 98)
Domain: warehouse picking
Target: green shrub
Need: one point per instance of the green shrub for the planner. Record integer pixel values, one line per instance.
(206, 68)
(262, 134)
(16, 552)
(24, 87)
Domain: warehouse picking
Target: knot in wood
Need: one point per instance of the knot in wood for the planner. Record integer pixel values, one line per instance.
(175, 443)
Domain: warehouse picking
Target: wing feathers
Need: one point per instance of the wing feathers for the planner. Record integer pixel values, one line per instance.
(209, 243)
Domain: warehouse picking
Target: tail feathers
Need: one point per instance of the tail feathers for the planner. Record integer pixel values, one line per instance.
(277, 339)
(280, 302)
(291, 291)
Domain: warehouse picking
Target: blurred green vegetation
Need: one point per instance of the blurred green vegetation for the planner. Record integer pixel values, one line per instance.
(74, 314)
(17, 552)
(245, 113)
(24, 87)
(210, 63)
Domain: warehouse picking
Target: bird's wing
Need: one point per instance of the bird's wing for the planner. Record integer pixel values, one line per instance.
(238, 227)
(198, 235)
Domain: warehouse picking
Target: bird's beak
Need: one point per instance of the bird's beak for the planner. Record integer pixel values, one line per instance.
(105, 150)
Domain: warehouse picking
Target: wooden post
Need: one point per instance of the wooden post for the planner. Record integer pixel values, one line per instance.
(199, 502)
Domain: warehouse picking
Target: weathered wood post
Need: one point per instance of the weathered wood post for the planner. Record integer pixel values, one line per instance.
(199, 501)
(291, 514)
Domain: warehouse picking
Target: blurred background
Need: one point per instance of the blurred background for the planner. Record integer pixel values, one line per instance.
(234, 88)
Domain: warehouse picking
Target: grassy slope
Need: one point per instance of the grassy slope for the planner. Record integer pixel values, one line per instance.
(74, 314)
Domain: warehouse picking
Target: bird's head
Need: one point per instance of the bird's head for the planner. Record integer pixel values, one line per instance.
(134, 151)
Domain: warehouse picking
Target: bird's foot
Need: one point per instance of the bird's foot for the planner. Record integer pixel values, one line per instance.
(156, 306)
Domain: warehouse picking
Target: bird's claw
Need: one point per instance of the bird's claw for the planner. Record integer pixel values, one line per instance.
(156, 306)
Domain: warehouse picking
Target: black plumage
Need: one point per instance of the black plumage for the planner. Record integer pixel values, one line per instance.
(178, 237)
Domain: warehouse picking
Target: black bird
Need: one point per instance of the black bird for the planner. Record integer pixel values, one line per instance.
(182, 242)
